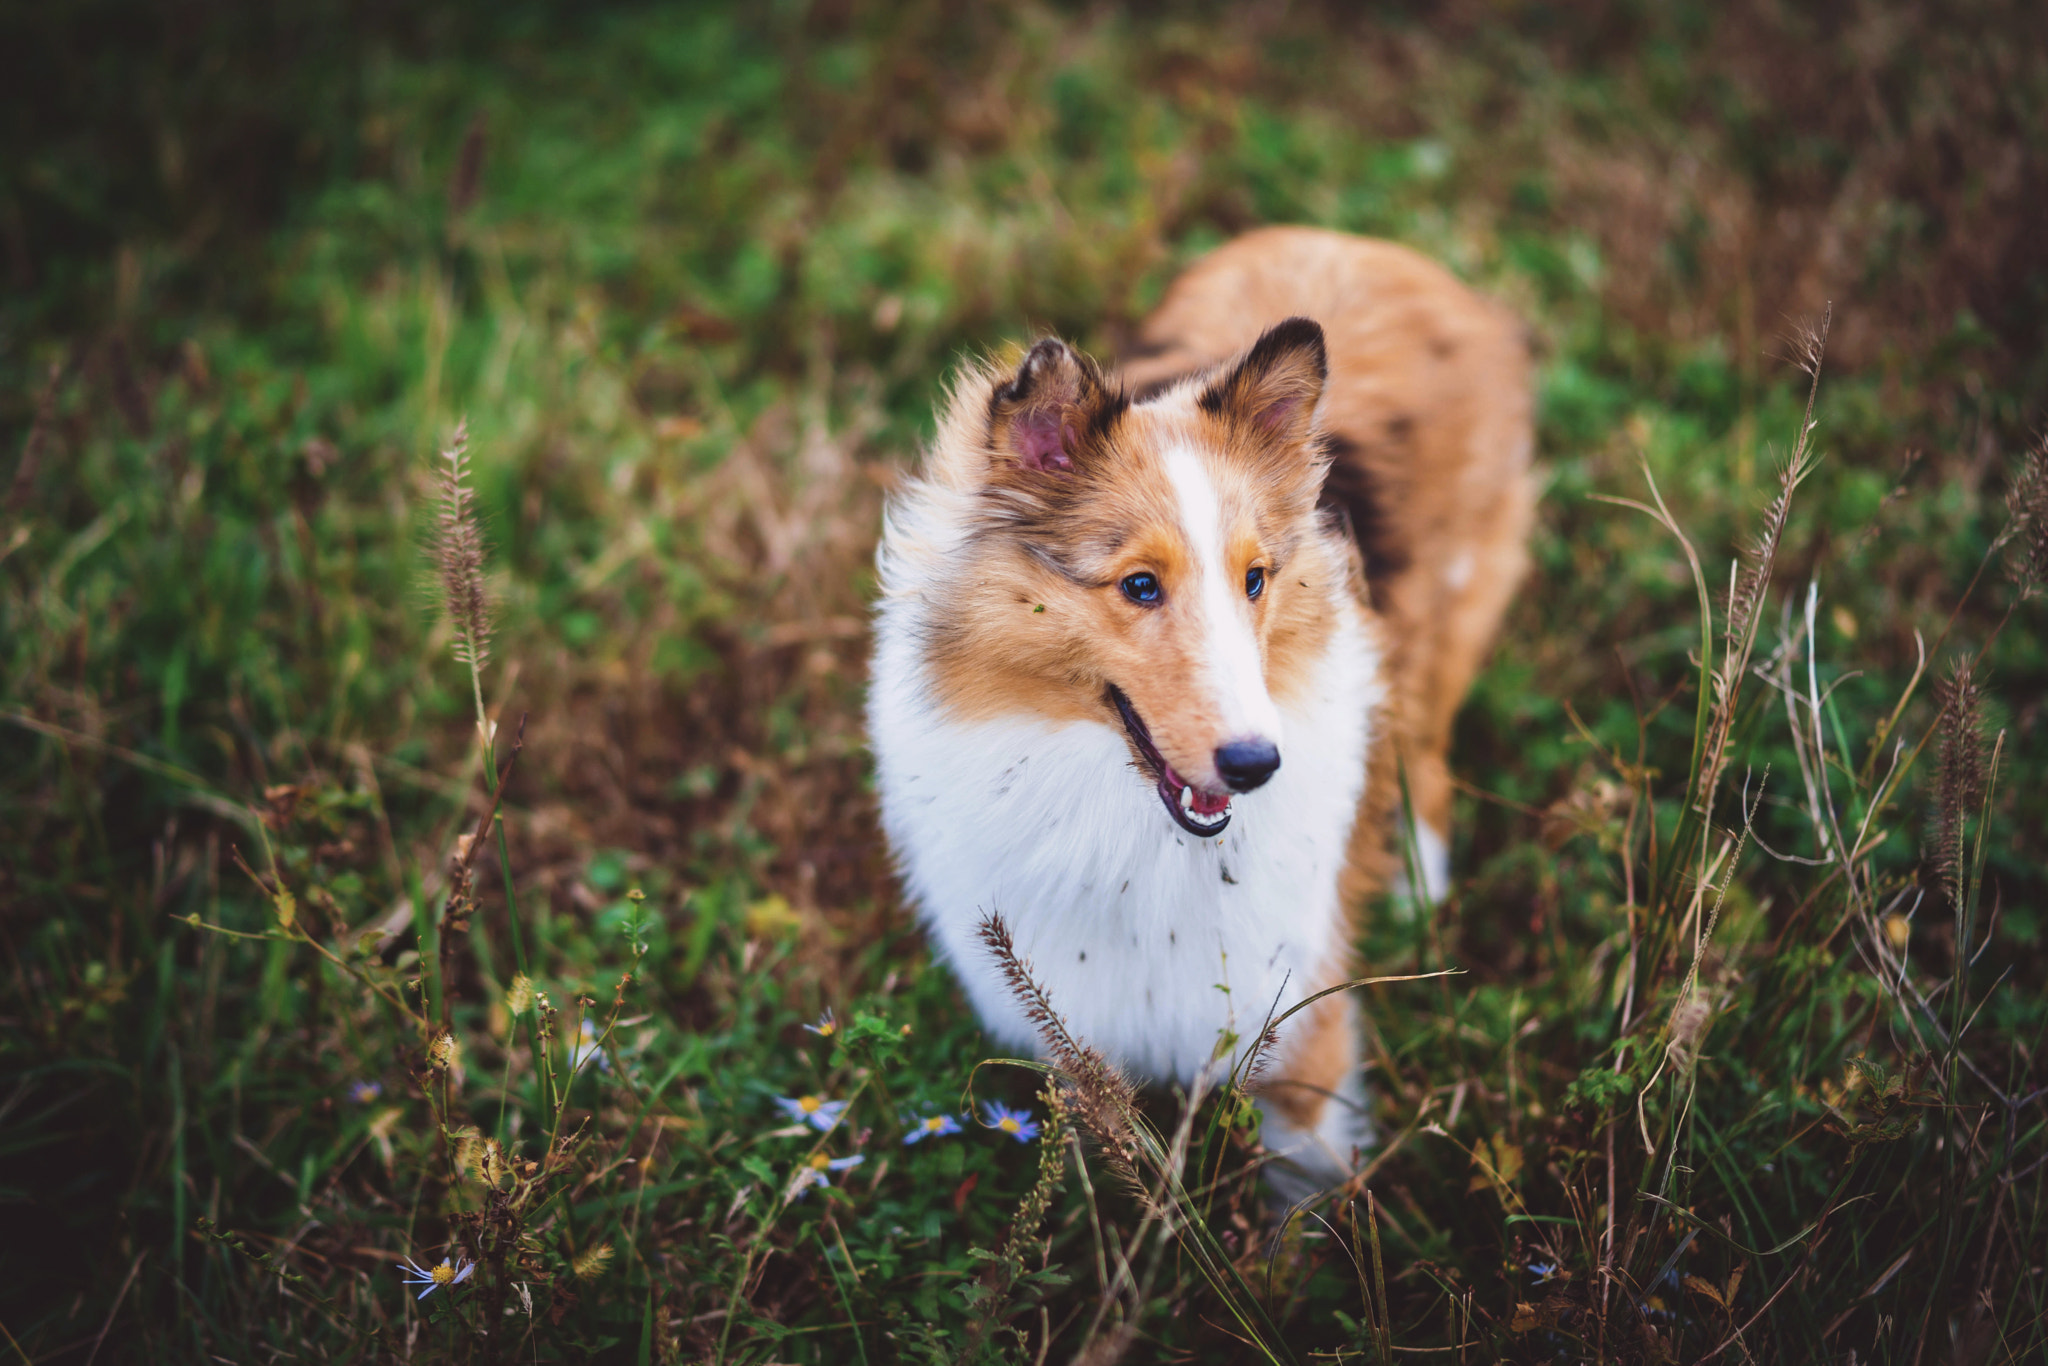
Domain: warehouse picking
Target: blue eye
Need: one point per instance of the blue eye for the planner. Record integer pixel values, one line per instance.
(1254, 582)
(1141, 588)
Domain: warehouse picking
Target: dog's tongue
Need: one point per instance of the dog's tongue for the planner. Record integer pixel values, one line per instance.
(1203, 804)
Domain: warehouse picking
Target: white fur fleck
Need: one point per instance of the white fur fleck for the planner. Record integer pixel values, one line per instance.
(1458, 572)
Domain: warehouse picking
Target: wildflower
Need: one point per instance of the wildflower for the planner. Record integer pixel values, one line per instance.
(1543, 1271)
(931, 1126)
(815, 1111)
(816, 1171)
(1018, 1124)
(433, 1278)
(826, 1026)
(363, 1092)
(586, 1048)
(820, 1164)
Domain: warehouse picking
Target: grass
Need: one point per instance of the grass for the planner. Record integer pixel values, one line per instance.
(1740, 1057)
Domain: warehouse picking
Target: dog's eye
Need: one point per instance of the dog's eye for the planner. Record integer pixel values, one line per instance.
(1141, 588)
(1254, 581)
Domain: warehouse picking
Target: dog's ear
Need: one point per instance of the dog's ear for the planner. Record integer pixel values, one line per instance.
(1043, 416)
(1274, 390)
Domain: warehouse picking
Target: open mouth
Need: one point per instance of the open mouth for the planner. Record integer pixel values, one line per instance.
(1194, 810)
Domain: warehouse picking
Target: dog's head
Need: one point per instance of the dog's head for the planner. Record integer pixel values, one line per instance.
(1155, 565)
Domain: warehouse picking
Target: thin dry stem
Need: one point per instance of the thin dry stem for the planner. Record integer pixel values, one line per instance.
(1748, 586)
(23, 486)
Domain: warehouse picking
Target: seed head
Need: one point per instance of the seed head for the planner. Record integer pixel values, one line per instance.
(590, 1263)
(2027, 502)
(1959, 783)
(1101, 1097)
(1689, 1021)
(459, 552)
(444, 1054)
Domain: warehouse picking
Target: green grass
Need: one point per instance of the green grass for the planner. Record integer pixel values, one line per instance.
(696, 306)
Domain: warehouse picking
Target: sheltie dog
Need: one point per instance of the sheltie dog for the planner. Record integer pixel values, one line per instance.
(1160, 654)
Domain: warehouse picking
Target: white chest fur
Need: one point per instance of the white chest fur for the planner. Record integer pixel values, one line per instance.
(1150, 941)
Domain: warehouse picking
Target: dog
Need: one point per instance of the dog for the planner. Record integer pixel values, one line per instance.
(1160, 656)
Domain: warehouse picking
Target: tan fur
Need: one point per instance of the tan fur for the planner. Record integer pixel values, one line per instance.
(1322, 1056)
(1429, 391)
(1023, 636)
(1429, 396)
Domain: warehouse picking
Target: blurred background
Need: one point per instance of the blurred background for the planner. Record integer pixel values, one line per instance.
(694, 275)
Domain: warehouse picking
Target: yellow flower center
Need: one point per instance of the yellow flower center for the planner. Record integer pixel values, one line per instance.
(809, 1104)
(819, 1162)
(1007, 1125)
(827, 1029)
(934, 1125)
(443, 1274)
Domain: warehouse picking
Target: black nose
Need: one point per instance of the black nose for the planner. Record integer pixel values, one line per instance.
(1245, 764)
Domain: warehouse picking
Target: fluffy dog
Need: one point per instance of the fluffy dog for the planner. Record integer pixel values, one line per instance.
(1157, 652)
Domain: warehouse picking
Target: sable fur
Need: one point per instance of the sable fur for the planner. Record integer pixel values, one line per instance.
(1428, 412)
(1010, 785)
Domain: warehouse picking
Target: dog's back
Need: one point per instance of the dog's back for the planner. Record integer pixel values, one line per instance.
(1428, 410)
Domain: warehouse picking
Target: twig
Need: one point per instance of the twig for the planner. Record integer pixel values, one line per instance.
(133, 1267)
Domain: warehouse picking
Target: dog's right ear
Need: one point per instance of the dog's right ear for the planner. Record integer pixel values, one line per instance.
(1275, 389)
(1042, 416)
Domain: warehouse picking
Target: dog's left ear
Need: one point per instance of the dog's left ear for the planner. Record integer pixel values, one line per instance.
(1043, 416)
(1274, 390)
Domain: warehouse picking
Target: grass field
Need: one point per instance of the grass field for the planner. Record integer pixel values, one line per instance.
(1741, 1057)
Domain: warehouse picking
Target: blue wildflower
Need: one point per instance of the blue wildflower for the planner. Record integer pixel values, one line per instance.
(1018, 1124)
(827, 1025)
(363, 1092)
(815, 1111)
(433, 1278)
(816, 1171)
(931, 1126)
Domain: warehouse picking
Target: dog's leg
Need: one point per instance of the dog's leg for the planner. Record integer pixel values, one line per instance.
(1315, 1106)
(1422, 847)
(1448, 617)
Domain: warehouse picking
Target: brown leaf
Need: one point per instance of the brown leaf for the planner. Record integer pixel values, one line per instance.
(1701, 1286)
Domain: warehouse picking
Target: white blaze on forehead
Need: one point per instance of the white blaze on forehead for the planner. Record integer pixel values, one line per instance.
(1235, 674)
